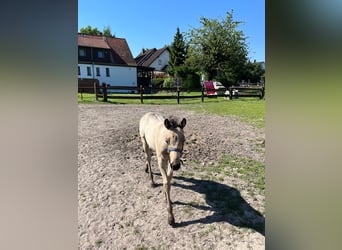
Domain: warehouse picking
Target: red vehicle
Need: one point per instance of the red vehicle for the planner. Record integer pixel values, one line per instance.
(209, 88)
(214, 88)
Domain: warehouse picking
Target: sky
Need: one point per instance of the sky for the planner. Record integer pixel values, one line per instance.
(153, 23)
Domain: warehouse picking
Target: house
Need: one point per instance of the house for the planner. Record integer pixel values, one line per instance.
(152, 63)
(105, 60)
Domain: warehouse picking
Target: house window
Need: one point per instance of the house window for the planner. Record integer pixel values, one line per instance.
(81, 52)
(79, 70)
(100, 54)
(97, 71)
(107, 72)
(88, 71)
(159, 62)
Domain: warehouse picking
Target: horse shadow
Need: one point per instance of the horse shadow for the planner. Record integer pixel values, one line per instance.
(226, 203)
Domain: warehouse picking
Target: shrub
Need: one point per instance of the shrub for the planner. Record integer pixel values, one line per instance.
(157, 82)
(168, 83)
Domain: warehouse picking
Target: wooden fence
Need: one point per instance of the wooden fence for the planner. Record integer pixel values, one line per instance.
(105, 92)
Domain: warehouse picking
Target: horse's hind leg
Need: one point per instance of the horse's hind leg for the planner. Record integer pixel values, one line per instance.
(148, 155)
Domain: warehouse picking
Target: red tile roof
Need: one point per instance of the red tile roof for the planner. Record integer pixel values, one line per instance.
(92, 41)
(119, 48)
(121, 51)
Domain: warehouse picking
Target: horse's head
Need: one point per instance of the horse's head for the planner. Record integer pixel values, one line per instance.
(175, 141)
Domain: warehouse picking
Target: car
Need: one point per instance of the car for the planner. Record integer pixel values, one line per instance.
(219, 86)
(214, 88)
(209, 88)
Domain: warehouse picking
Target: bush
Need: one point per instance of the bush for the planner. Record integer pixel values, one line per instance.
(157, 82)
(192, 81)
(168, 83)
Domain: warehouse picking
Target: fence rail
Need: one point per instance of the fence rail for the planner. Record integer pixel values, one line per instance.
(104, 92)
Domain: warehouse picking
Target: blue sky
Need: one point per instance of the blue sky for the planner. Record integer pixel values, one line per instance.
(153, 23)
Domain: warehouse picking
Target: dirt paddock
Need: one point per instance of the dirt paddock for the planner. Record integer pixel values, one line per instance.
(118, 208)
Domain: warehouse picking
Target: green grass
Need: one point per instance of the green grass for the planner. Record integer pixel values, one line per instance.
(228, 199)
(248, 109)
(86, 98)
(249, 170)
(98, 242)
(90, 98)
(252, 171)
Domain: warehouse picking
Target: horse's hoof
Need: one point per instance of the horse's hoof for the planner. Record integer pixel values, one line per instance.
(171, 221)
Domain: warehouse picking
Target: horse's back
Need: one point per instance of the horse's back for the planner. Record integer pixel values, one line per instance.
(149, 128)
(149, 123)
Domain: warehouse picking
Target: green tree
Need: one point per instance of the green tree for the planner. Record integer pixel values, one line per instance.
(218, 49)
(253, 72)
(178, 53)
(95, 31)
(90, 30)
(107, 31)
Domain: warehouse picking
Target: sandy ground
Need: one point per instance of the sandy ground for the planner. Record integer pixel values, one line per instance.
(118, 209)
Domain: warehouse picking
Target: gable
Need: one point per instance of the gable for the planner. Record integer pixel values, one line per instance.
(144, 56)
(154, 58)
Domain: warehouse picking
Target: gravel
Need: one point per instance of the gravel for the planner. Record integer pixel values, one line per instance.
(118, 209)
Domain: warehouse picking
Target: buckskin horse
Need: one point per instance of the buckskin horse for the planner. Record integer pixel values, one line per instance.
(166, 138)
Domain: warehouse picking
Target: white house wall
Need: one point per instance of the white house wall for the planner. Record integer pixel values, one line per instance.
(119, 76)
(161, 61)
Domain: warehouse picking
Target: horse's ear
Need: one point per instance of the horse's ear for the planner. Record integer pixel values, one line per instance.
(183, 123)
(167, 123)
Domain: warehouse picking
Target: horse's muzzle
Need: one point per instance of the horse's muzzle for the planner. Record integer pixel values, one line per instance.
(175, 166)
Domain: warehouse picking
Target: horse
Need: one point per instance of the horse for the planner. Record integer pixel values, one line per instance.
(166, 138)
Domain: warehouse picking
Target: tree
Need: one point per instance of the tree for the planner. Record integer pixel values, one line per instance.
(95, 31)
(253, 71)
(177, 66)
(218, 49)
(178, 52)
(107, 31)
(90, 30)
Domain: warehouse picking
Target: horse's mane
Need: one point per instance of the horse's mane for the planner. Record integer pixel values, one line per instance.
(175, 121)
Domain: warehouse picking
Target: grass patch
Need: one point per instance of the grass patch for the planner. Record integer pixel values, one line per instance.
(141, 247)
(252, 171)
(187, 174)
(136, 231)
(249, 170)
(188, 210)
(90, 98)
(98, 242)
(249, 109)
(86, 98)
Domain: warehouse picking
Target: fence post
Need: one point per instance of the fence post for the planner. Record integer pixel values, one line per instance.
(203, 93)
(141, 94)
(104, 88)
(230, 93)
(96, 91)
(178, 91)
(262, 94)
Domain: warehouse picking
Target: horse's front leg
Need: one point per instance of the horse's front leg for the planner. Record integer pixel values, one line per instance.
(167, 189)
(167, 176)
(148, 155)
